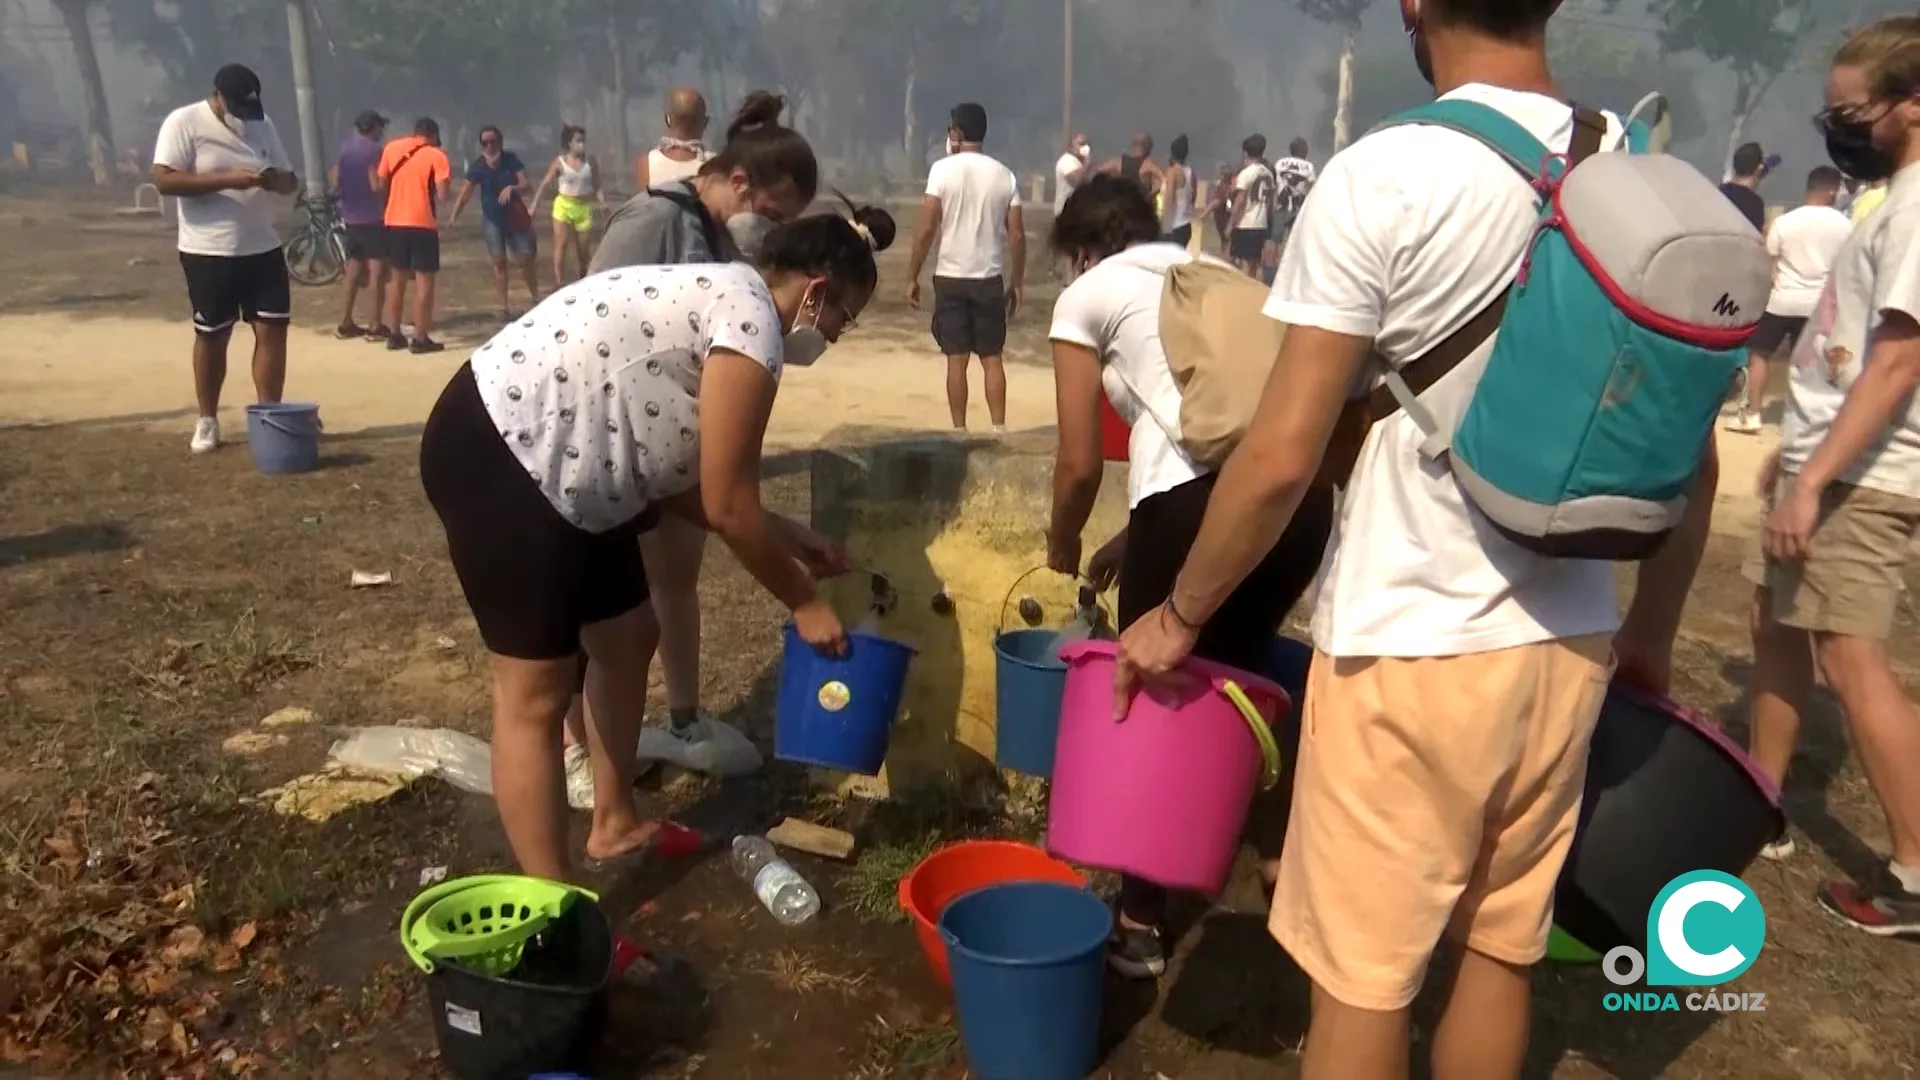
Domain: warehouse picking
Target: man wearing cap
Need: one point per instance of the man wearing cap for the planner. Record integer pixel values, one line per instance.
(416, 176)
(361, 211)
(220, 158)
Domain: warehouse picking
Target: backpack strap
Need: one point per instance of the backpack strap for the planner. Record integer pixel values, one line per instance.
(1402, 386)
(691, 204)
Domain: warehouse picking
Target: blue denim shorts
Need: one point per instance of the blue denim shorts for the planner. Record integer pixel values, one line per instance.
(521, 245)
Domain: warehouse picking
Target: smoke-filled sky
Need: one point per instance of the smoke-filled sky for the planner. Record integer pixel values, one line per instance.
(1217, 69)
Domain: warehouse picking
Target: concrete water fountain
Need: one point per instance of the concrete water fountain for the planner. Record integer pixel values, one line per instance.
(952, 523)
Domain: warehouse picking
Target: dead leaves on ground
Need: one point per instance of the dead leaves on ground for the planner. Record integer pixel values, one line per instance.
(104, 955)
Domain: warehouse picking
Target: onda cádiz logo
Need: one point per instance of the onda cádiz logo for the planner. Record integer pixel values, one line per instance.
(1704, 929)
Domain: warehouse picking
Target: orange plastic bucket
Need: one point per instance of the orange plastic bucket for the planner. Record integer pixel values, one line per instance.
(958, 869)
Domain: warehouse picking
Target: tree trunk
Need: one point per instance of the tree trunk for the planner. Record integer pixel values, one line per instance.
(622, 147)
(99, 121)
(1742, 109)
(911, 141)
(1343, 103)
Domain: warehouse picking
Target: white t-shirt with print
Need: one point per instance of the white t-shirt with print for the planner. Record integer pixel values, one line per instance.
(974, 192)
(1405, 257)
(1063, 185)
(1255, 184)
(1295, 179)
(596, 390)
(1114, 309)
(233, 223)
(1877, 271)
(1804, 242)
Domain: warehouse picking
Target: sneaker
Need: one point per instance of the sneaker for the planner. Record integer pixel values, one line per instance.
(421, 346)
(1780, 850)
(206, 436)
(1744, 423)
(1882, 906)
(379, 332)
(579, 777)
(396, 342)
(1136, 952)
(698, 731)
(348, 330)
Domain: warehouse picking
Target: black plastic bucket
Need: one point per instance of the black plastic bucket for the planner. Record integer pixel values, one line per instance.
(1666, 794)
(546, 1015)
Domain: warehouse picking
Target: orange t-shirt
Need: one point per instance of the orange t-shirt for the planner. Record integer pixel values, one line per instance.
(410, 191)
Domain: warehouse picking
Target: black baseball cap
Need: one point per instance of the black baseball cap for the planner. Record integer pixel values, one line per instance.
(369, 122)
(239, 88)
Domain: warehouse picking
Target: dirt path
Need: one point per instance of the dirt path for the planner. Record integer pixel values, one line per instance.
(55, 369)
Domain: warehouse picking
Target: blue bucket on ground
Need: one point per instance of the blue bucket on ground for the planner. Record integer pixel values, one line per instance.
(839, 713)
(284, 438)
(1027, 958)
(1028, 683)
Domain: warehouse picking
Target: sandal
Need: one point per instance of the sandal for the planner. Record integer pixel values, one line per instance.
(671, 841)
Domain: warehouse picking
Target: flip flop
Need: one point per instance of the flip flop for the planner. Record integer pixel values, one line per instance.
(672, 841)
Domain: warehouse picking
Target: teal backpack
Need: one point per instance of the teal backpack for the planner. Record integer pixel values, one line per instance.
(1578, 433)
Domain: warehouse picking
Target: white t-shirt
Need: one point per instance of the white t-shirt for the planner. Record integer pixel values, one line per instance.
(596, 390)
(1295, 176)
(1255, 185)
(662, 169)
(1114, 309)
(194, 140)
(1877, 271)
(1406, 256)
(974, 192)
(1063, 169)
(1803, 243)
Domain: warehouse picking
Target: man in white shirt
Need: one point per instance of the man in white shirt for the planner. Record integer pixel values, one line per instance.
(220, 158)
(1068, 171)
(1457, 677)
(1846, 497)
(1803, 242)
(1249, 224)
(1294, 178)
(973, 205)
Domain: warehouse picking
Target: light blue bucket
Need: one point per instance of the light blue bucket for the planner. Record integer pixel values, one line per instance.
(284, 437)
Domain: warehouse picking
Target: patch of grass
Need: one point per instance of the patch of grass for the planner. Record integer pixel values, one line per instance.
(793, 970)
(908, 1052)
(872, 888)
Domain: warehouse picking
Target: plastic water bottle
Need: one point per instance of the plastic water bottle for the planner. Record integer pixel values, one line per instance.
(781, 889)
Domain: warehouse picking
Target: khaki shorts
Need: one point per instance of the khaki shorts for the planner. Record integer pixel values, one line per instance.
(1850, 583)
(1433, 798)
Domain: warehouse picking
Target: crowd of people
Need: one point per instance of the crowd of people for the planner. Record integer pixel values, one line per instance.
(579, 458)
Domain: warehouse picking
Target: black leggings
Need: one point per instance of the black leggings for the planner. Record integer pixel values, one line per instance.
(1160, 533)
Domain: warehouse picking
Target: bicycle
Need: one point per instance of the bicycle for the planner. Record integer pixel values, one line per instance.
(316, 253)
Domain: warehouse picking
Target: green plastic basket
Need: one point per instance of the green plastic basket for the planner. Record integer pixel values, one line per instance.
(1564, 948)
(483, 922)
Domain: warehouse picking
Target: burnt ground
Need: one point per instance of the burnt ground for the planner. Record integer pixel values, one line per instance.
(155, 921)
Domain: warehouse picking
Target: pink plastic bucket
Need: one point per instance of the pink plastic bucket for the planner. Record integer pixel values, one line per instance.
(1162, 794)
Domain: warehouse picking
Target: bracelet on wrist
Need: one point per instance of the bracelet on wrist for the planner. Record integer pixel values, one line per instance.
(1180, 620)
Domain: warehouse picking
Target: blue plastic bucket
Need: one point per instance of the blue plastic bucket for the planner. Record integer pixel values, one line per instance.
(284, 438)
(839, 713)
(1027, 958)
(1028, 683)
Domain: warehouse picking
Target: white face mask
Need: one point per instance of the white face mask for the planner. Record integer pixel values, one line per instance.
(748, 229)
(803, 345)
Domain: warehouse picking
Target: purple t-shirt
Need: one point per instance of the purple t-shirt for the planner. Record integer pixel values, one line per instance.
(359, 203)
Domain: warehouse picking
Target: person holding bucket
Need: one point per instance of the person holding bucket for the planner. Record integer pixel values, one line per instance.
(1107, 343)
(625, 394)
(1458, 673)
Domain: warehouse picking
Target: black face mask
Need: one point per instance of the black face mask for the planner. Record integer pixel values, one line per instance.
(1850, 145)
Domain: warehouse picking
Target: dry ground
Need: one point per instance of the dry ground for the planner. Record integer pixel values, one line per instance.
(154, 921)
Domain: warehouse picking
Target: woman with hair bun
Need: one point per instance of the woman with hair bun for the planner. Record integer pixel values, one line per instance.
(765, 174)
(624, 395)
(1106, 340)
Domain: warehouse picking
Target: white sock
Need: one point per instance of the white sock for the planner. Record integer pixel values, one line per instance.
(1908, 876)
